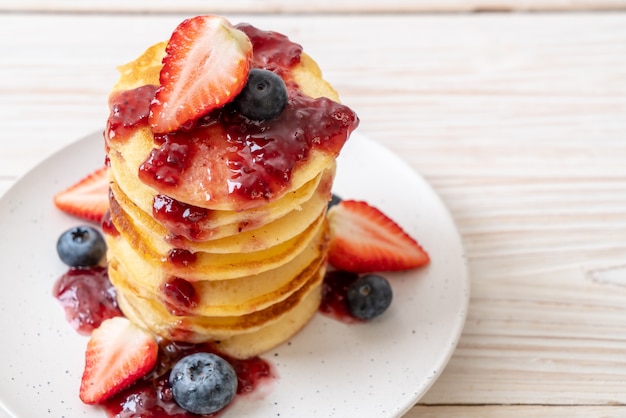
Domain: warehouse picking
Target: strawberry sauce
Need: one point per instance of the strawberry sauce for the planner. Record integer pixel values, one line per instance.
(226, 158)
(107, 224)
(179, 296)
(334, 295)
(271, 50)
(181, 258)
(245, 161)
(87, 297)
(181, 219)
(129, 109)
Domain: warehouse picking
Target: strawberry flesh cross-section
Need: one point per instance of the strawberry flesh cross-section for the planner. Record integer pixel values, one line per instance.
(364, 239)
(206, 65)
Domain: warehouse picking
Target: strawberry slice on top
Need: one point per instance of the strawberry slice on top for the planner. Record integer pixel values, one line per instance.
(363, 239)
(206, 65)
(118, 354)
(88, 198)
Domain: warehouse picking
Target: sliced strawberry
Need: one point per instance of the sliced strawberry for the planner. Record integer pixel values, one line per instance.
(364, 239)
(118, 353)
(206, 65)
(88, 198)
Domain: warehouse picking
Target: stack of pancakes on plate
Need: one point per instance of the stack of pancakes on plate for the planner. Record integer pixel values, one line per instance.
(241, 271)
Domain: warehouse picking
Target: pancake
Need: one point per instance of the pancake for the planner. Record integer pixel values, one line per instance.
(243, 345)
(232, 296)
(220, 232)
(249, 231)
(250, 344)
(217, 265)
(196, 328)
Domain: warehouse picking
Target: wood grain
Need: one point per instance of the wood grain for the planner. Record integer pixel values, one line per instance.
(319, 6)
(517, 120)
(516, 411)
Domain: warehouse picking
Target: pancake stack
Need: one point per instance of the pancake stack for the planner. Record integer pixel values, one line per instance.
(210, 255)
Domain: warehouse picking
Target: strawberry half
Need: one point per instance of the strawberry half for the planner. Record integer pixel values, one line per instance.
(88, 198)
(118, 353)
(206, 65)
(364, 239)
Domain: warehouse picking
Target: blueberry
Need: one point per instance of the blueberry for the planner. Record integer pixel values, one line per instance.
(81, 246)
(369, 296)
(263, 97)
(334, 200)
(203, 383)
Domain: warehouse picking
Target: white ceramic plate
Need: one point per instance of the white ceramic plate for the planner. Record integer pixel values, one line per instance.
(330, 369)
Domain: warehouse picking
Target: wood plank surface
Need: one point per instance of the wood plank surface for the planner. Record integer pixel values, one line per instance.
(516, 411)
(517, 120)
(319, 6)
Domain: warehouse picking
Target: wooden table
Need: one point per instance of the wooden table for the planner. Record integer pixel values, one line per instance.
(515, 115)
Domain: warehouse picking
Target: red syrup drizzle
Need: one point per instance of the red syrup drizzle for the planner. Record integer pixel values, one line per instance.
(87, 297)
(181, 219)
(129, 109)
(334, 300)
(180, 257)
(107, 223)
(179, 296)
(272, 50)
(255, 159)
